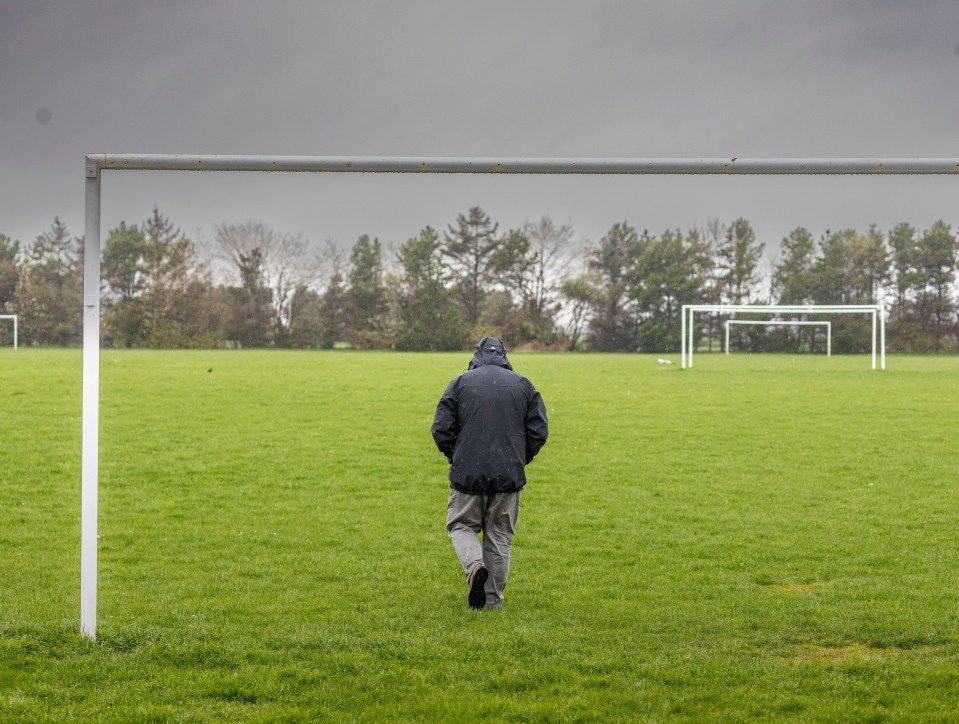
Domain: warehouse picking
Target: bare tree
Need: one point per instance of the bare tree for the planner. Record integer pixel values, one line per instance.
(550, 245)
(285, 263)
(329, 262)
(712, 235)
(582, 291)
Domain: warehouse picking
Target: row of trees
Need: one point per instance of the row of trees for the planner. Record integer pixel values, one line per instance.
(441, 289)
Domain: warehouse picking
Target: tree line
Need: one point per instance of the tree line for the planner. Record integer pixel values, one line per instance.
(534, 286)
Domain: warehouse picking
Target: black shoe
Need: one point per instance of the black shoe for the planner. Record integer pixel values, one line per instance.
(477, 582)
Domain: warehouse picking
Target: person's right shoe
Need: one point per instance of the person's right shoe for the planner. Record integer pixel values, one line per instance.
(477, 584)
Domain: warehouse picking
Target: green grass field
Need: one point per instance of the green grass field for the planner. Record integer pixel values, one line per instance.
(764, 536)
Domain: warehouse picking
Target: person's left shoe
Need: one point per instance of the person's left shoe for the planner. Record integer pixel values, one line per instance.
(477, 584)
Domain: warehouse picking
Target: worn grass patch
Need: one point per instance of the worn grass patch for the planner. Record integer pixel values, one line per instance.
(856, 653)
(789, 587)
(759, 537)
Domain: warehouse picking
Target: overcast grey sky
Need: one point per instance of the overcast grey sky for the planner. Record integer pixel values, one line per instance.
(745, 78)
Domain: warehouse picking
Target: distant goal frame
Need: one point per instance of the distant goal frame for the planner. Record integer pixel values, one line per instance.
(15, 332)
(688, 322)
(95, 164)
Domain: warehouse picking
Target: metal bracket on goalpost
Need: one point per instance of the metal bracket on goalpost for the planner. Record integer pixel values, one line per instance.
(688, 327)
(96, 163)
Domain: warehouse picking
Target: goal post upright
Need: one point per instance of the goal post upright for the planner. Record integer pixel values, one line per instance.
(89, 495)
(97, 163)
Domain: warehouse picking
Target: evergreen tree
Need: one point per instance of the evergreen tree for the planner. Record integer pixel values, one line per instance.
(847, 271)
(366, 292)
(180, 306)
(738, 258)
(905, 262)
(250, 322)
(334, 312)
(870, 266)
(469, 252)
(851, 268)
(50, 288)
(306, 321)
(936, 263)
(792, 283)
(158, 293)
(830, 281)
(9, 276)
(430, 320)
(791, 280)
(668, 274)
(123, 271)
(122, 262)
(9, 273)
(905, 325)
(613, 320)
(708, 240)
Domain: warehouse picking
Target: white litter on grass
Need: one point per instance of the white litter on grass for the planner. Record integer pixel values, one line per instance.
(664, 361)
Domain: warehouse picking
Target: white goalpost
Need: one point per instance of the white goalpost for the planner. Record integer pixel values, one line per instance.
(687, 325)
(96, 164)
(781, 323)
(14, 318)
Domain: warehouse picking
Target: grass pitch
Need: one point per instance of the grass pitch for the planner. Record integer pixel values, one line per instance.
(756, 537)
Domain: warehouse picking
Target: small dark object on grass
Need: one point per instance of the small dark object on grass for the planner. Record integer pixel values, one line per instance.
(210, 370)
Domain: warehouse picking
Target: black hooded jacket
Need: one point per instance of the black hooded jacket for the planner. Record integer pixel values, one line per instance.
(490, 423)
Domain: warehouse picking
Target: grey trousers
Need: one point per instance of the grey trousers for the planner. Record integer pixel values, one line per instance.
(495, 517)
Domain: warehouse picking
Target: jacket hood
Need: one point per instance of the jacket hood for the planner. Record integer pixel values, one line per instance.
(490, 351)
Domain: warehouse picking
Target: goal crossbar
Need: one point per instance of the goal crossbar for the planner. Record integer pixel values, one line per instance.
(493, 165)
(96, 163)
(781, 323)
(687, 323)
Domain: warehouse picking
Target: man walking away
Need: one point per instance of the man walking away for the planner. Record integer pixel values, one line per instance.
(490, 423)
